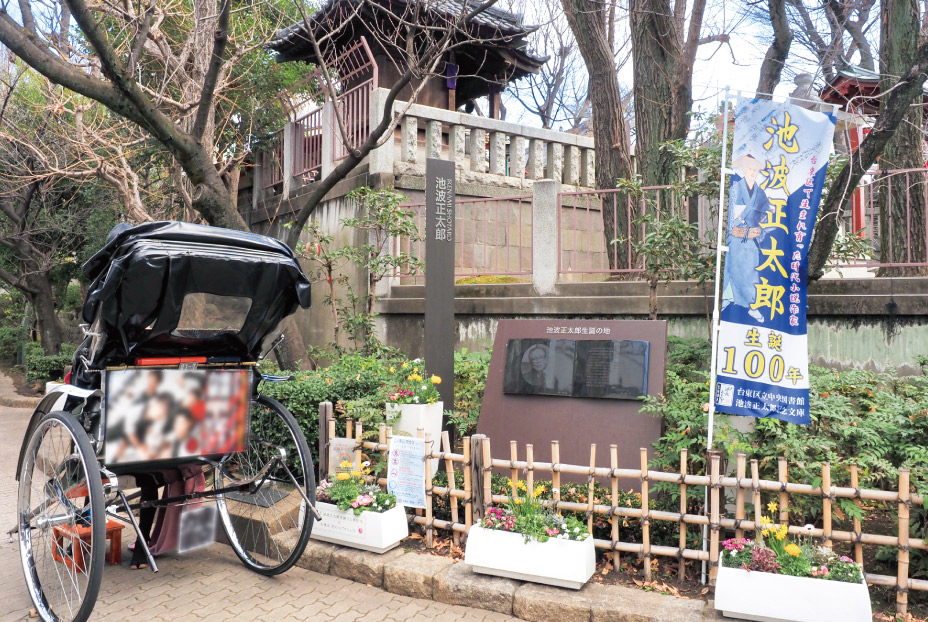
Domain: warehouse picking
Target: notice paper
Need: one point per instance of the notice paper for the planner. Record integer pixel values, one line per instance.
(406, 472)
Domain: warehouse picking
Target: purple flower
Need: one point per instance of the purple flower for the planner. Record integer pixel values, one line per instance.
(845, 559)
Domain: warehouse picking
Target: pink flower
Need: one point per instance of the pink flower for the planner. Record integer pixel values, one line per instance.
(354, 503)
(845, 559)
(551, 532)
(365, 500)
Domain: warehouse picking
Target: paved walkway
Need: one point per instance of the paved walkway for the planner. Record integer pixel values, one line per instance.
(209, 585)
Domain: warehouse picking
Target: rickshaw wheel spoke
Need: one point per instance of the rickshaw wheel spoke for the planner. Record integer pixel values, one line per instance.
(268, 527)
(60, 514)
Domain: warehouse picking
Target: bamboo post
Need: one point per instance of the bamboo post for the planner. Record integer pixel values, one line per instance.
(591, 489)
(858, 547)
(556, 474)
(331, 436)
(429, 529)
(487, 472)
(358, 447)
(826, 504)
(645, 517)
(755, 486)
(739, 495)
(449, 467)
(323, 455)
(681, 571)
(902, 572)
(513, 471)
(714, 513)
(783, 476)
(477, 496)
(349, 428)
(468, 491)
(530, 471)
(614, 519)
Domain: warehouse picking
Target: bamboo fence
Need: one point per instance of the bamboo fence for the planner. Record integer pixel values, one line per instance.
(473, 469)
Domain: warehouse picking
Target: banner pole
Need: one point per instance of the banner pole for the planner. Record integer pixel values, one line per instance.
(719, 249)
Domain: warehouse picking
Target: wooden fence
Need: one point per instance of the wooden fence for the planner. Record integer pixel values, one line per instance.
(472, 470)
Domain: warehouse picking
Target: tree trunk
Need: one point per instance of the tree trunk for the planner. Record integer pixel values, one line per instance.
(902, 204)
(898, 99)
(775, 58)
(50, 328)
(610, 131)
(656, 52)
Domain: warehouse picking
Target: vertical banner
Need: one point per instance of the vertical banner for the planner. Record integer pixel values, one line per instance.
(439, 275)
(780, 155)
(406, 471)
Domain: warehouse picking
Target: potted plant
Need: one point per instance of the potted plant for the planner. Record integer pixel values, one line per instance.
(774, 578)
(527, 541)
(357, 513)
(413, 402)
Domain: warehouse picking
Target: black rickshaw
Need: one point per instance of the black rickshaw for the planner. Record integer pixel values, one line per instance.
(163, 402)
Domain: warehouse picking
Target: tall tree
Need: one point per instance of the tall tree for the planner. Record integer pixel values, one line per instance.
(664, 50)
(772, 67)
(898, 99)
(591, 23)
(902, 209)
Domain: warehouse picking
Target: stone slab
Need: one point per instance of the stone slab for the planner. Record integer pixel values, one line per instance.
(540, 603)
(317, 556)
(361, 566)
(412, 574)
(616, 603)
(459, 585)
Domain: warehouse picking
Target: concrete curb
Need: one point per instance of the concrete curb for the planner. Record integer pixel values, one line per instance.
(421, 575)
(19, 402)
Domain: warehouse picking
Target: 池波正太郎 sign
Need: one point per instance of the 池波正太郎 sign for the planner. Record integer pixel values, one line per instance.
(780, 155)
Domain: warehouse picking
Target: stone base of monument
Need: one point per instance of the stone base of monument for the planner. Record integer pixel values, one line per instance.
(369, 531)
(563, 563)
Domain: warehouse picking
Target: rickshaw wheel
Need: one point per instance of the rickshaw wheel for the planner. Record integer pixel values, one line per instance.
(61, 520)
(268, 528)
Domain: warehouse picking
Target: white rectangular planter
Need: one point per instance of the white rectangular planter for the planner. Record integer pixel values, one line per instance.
(775, 597)
(425, 416)
(564, 563)
(368, 531)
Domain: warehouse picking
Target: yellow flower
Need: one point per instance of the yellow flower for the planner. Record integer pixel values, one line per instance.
(764, 521)
(518, 501)
(772, 507)
(522, 486)
(415, 370)
(345, 464)
(793, 549)
(392, 370)
(405, 365)
(764, 533)
(356, 474)
(539, 489)
(342, 476)
(435, 380)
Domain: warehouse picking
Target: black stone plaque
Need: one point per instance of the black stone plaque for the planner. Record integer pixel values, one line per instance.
(439, 275)
(598, 368)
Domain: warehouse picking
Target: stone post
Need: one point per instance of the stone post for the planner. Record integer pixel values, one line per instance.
(572, 166)
(329, 136)
(410, 139)
(291, 132)
(478, 150)
(456, 146)
(588, 168)
(544, 235)
(498, 153)
(433, 139)
(555, 167)
(517, 148)
(381, 158)
(536, 159)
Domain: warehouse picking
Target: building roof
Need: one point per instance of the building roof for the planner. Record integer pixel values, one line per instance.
(494, 50)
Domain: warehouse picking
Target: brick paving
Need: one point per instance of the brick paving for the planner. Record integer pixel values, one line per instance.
(210, 584)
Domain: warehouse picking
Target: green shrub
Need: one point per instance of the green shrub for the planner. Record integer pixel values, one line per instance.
(11, 342)
(470, 381)
(41, 368)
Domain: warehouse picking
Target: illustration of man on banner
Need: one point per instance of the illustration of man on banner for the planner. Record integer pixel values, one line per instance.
(747, 207)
